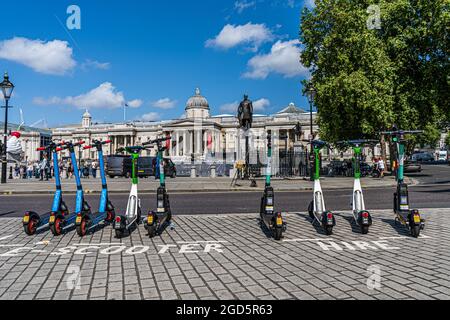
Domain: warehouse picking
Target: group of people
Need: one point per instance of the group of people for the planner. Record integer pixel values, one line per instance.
(44, 170)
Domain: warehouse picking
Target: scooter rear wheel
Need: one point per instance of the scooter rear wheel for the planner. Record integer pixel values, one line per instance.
(31, 227)
(82, 228)
(56, 228)
(119, 233)
(365, 229)
(278, 233)
(328, 230)
(415, 231)
(151, 231)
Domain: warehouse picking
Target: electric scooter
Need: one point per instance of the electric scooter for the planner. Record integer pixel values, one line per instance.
(132, 218)
(106, 214)
(59, 223)
(33, 222)
(410, 218)
(362, 217)
(316, 209)
(269, 218)
(156, 220)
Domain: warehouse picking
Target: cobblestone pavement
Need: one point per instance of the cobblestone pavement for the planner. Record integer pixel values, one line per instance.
(230, 257)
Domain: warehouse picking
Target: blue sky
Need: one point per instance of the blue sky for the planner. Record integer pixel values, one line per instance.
(151, 55)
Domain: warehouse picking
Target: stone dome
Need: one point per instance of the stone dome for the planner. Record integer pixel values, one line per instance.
(197, 101)
(197, 106)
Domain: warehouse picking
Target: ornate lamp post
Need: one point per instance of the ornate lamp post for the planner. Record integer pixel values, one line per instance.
(311, 94)
(7, 89)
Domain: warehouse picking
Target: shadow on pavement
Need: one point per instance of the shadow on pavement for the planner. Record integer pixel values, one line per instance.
(7, 213)
(396, 226)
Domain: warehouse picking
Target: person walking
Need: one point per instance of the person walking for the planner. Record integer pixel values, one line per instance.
(382, 167)
(94, 169)
(30, 170)
(42, 168)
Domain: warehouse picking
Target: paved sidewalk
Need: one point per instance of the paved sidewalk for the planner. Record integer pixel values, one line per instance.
(190, 185)
(229, 257)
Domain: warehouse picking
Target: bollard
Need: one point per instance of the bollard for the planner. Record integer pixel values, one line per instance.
(213, 171)
(193, 172)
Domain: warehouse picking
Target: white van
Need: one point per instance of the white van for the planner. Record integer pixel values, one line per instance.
(442, 155)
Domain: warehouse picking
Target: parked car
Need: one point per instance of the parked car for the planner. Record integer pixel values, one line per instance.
(121, 166)
(422, 157)
(443, 155)
(412, 167)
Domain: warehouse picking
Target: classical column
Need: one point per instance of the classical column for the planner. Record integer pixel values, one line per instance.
(199, 142)
(184, 143)
(177, 147)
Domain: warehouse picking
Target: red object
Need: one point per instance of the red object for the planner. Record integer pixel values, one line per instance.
(330, 216)
(40, 149)
(118, 219)
(210, 141)
(16, 134)
(168, 142)
(87, 147)
(108, 141)
(58, 149)
(365, 215)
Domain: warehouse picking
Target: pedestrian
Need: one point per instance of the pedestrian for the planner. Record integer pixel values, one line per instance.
(382, 167)
(42, 168)
(94, 169)
(30, 170)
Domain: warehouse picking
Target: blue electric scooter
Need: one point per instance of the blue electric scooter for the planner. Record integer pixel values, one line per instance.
(59, 223)
(33, 222)
(106, 214)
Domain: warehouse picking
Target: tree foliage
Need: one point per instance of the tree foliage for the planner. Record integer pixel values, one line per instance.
(369, 79)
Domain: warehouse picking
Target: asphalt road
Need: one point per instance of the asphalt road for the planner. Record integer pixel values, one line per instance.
(432, 192)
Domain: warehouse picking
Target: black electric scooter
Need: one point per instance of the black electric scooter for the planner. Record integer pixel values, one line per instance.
(410, 218)
(272, 220)
(156, 221)
(106, 214)
(32, 221)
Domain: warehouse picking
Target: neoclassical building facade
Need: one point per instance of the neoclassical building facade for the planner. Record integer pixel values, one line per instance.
(200, 136)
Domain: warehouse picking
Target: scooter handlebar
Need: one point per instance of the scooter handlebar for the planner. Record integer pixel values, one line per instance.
(41, 149)
(87, 147)
(156, 141)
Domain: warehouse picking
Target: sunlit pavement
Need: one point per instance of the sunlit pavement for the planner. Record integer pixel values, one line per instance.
(230, 257)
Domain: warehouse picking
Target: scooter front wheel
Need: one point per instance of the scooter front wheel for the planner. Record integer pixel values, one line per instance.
(311, 210)
(328, 230)
(57, 227)
(31, 227)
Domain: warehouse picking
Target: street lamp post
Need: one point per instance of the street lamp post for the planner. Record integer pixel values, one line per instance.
(311, 94)
(7, 89)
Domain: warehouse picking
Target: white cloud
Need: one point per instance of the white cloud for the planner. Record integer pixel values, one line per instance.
(241, 5)
(165, 103)
(95, 65)
(52, 57)
(258, 105)
(284, 59)
(104, 96)
(249, 34)
(261, 104)
(152, 116)
(310, 3)
(230, 107)
(136, 103)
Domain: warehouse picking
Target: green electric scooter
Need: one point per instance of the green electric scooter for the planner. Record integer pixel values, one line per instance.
(132, 218)
(362, 217)
(269, 218)
(410, 218)
(316, 209)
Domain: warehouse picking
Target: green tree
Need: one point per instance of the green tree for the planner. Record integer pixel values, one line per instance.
(369, 79)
